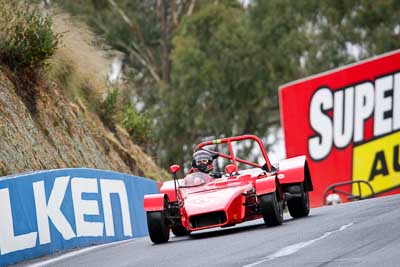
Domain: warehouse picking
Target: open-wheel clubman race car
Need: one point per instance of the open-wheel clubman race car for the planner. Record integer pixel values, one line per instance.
(246, 190)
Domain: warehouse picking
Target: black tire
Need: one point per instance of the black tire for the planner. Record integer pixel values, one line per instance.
(299, 206)
(158, 228)
(272, 209)
(179, 230)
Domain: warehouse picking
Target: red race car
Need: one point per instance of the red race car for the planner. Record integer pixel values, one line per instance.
(246, 190)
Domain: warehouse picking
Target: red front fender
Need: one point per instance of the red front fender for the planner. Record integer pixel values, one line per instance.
(265, 185)
(154, 202)
(295, 170)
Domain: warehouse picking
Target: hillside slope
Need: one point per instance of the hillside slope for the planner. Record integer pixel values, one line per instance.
(62, 134)
(50, 131)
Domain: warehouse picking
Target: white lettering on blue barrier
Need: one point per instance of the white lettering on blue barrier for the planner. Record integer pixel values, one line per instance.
(85, 207)
(51, 211)
(118, 187)
(8, 241)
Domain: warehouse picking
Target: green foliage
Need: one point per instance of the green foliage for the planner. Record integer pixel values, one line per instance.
(306, 37)
(228, 62)
(138, 125)
(26, 37)
(109, 108)
(113, 111)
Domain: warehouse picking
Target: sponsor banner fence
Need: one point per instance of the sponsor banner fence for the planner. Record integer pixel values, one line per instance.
(347, 122)
(47, 211)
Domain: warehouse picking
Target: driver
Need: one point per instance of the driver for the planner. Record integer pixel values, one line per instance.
(203, 162)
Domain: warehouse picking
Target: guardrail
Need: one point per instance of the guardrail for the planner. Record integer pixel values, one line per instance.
(47, 211)
(350, 196)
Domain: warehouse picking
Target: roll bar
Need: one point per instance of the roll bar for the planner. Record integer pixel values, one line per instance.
(232, 157)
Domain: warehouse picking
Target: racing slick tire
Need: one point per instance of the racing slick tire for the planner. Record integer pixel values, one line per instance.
(299, 206)
(179, 230)
(158, 228)
(272, 209)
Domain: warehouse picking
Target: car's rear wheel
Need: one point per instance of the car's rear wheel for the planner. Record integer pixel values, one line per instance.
(299, 206)
(272, 209)
(179, 230)
(158, 228)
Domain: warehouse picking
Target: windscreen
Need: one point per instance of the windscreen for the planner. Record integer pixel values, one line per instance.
(195, 179)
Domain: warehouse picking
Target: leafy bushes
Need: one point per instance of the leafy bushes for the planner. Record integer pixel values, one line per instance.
(108, 109)
(26, 37)
(138, 125)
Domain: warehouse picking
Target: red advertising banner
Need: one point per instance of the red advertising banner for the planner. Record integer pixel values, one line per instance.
(347, 122)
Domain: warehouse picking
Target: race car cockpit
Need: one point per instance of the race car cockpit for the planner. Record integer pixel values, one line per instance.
(196, 179)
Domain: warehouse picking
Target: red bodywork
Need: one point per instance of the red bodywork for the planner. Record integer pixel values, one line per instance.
(230, 199)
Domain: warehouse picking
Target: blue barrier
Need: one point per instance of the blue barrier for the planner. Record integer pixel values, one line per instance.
(47, 211)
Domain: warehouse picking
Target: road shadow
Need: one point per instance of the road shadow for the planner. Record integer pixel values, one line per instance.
(239, 228)
(215, 232)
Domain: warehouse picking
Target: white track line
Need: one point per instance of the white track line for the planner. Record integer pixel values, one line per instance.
(286, 251)
(75, 253)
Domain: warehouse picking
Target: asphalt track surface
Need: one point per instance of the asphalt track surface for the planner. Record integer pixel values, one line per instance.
(363, 233)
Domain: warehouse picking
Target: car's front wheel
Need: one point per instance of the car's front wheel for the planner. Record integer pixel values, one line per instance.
(299, 206)
(158, 228)
(272, 209)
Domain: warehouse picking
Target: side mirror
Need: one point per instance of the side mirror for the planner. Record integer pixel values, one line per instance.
(230, 169)
(174, 168)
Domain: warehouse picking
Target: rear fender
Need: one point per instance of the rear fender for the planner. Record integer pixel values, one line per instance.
(295, 170)
(265, 185)
(155, 202)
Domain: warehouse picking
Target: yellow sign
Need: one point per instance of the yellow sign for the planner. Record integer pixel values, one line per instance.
(377, 162)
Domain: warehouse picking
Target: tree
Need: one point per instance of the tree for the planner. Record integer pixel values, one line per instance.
(218, 85)
(142, 31)
(313, 36)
